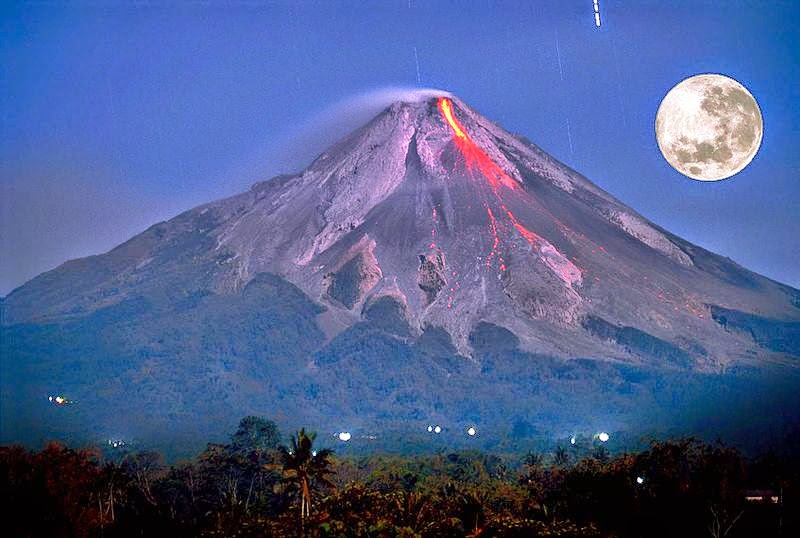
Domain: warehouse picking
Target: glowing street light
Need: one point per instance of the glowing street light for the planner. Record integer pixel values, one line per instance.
(639, 480)
(471, 431)
(344, 436)
(58, 400)
(603, 436)
(572, 440)
(437, 429)
(430, 429)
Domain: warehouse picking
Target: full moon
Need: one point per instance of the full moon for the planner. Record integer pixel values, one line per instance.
(709, 127)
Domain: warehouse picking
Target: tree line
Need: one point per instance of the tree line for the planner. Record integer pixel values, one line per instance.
(257, 485)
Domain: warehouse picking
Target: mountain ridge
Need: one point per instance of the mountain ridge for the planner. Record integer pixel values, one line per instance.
(320, 215)
(429, 266)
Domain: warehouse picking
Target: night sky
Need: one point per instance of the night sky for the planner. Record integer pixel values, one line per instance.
(116, 116)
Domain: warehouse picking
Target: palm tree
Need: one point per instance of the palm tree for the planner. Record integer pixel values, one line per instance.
(412, 510)
(306, 468)
(471, 510)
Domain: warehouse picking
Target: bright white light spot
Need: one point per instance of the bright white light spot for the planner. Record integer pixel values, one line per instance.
(603, 436)
(50, 398)
(314, 453)
(572, 440)
(471, 431)
(344, 436)
(438, 429)
(597, 19)
(639, 480)
(430, 429)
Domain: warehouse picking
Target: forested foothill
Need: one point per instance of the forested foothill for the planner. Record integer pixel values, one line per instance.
(261, 483)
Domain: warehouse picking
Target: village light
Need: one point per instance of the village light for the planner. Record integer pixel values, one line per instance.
(344, 436)
(471, 431)
(572, 440)
(437, 429)
(59, 400)
(603, 436)
(639, 480)
(430, 429)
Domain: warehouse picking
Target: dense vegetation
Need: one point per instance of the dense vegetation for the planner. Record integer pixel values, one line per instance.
(177, 366)
(255, 485)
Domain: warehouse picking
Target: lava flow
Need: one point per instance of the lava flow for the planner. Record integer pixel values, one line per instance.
(473, 154)
(529, 236)
(495, 242)
(475, 157)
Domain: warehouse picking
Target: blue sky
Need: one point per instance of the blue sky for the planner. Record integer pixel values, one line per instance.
(118, 115)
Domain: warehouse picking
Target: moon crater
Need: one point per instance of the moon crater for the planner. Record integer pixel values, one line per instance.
(709, 127)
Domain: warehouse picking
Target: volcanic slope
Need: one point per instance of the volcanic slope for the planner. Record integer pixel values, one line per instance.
(430, 227)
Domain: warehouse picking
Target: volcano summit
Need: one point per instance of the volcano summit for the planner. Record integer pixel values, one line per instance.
(430, 266)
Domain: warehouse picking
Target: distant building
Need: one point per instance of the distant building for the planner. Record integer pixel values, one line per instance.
(762, 496)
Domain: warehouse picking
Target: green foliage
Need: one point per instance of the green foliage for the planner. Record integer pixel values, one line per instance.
(254, 487)
(305, 469)
(255, 434)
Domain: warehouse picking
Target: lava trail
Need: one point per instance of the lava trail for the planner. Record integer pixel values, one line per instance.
(473, 154)
(475, 157)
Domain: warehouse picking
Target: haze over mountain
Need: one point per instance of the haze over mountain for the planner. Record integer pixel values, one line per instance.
(429, 267)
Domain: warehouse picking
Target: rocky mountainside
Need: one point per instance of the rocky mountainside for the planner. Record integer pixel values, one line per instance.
(429, 245)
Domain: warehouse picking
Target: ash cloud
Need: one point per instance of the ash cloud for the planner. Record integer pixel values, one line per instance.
(323, 129)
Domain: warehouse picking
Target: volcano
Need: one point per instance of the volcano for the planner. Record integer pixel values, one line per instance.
(430, 266)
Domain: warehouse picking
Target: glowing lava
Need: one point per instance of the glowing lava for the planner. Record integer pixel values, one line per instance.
(475, 157)
(495, 240)
(473, 154)
(447, 110)
(529, 236)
